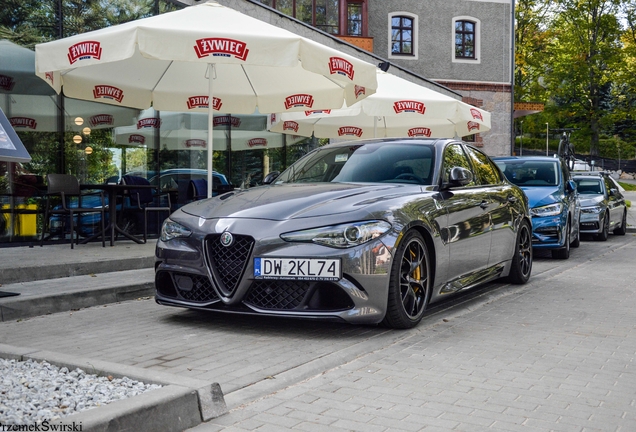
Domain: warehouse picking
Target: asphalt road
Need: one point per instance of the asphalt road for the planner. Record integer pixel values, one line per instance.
(554, 354)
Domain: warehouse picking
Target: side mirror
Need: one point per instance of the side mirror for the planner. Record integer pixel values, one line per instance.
(269, 178)
(570, 186)
(460, 176)
(613, 192)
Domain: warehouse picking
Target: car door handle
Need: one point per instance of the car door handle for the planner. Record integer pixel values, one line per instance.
(484, 204)
(512, 199)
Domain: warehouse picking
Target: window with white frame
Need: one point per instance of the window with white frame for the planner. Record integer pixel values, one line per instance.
(403, 35)
(466, 40)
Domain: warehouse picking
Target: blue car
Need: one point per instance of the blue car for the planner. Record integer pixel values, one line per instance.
(552, 198)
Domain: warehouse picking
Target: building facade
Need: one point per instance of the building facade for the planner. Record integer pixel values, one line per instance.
(461, 45)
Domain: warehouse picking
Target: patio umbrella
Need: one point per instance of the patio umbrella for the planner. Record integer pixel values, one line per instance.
(166, 60)
(399, 108)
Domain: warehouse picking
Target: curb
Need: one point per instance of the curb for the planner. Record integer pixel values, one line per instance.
(180, 404)
(63, 295)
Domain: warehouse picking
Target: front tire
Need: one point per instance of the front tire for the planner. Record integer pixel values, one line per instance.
(410, 285)
(602, 236)
(522, 259)
(623, 228)
(577, 241)
(563, 253)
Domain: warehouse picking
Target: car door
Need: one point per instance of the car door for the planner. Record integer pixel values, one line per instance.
(573, 200)
(468, 223)
(615, 202)
(500, 196)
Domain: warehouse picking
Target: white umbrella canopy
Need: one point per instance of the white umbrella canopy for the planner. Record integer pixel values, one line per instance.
(399, 108)
(17, 71)
(37, 113)
(165, 60)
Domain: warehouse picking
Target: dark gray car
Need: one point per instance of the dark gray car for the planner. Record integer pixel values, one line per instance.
(364, 232)
(603, 206)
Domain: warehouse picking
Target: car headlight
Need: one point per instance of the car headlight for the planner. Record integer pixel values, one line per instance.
(549, 210)
(340, 236)
(170, 230)
(593, 210)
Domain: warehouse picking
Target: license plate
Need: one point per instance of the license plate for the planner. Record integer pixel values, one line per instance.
(297, 268)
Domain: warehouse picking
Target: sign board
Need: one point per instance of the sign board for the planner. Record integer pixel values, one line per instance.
(11, 148)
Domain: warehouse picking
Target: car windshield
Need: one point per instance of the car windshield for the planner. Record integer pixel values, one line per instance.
(364, 163)
(589, 186)
(530, 173)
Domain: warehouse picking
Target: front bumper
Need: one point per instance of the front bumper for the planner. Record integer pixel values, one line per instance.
(196, 272)
(591, 223)
(549, 232)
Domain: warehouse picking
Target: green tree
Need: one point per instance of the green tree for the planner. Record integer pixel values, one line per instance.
(585, 53)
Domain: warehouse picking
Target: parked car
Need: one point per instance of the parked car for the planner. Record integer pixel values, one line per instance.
(363, 232)
(603, 206)
(554, 202)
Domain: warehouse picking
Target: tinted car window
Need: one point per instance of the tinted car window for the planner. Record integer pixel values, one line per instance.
(530, 173)
(398, 163)
(454, 156)
(484, 167)
(589, 186)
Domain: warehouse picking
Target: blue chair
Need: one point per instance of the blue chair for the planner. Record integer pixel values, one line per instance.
(198, 189)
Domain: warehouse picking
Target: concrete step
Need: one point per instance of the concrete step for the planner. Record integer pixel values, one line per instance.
(64, 294)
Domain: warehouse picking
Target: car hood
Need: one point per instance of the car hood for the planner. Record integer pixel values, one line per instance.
(590, 200)
(540, 196)
(289, 201)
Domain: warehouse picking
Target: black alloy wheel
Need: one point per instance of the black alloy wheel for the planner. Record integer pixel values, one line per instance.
(521, 266)
(602, 236)
(564, 252)
(621, 230)
(410, 285)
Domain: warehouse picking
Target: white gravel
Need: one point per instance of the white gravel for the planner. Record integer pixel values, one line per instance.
(32, 392)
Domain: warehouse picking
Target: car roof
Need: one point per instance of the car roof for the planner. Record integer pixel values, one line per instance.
(527, 158)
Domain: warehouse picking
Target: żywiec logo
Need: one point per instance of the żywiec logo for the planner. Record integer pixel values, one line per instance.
(409, 106)
(149, 122)
(108, 92)
(101, 119)
(254, 142)
(84, 50)
(221, 47)
(420, 131)
(23, 122)
(472, 126)
(290, 125)
(202, 102)
(340, 66)
(310, 112)
(195, 143)
(49, 76)
(6, 82)
(360, 90)
(476, 114)
(136, 139)
(350, 130)
(298, 100)
(226, 120)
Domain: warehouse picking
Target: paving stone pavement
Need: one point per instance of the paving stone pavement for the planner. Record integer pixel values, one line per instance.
(555, 354)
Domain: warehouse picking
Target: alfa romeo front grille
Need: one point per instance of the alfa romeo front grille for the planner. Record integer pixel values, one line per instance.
(277, 294)
(228, 263)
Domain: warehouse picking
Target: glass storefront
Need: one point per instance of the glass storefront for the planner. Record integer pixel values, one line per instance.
(100, 143)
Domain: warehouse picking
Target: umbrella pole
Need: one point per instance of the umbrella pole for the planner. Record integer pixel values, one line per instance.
(210, 126)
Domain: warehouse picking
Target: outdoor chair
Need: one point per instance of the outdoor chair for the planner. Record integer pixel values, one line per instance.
(23, 201)
(64, 198)
(198, 189)
(146, 199)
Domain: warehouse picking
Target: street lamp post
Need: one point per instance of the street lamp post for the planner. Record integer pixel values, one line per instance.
(547, 131)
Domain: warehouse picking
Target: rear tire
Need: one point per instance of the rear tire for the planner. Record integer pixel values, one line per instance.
(623, 228)
(521, 266)
(410, 284)
(602, 236)
(563, 253)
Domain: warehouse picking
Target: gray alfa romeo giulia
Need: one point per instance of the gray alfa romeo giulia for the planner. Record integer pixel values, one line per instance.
(364, 232)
